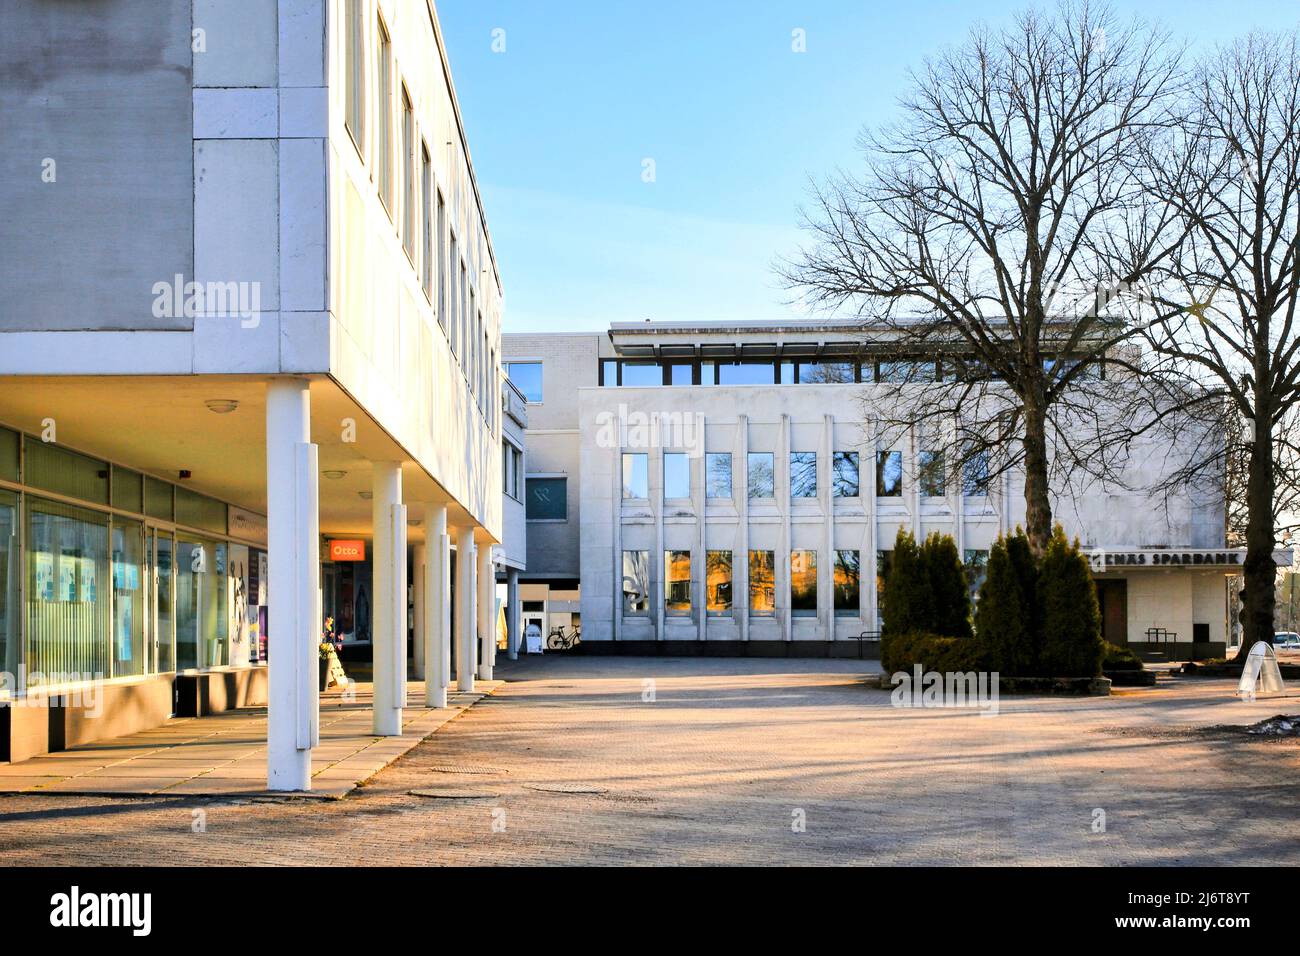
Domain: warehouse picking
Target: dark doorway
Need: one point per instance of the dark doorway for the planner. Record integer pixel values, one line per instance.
(1112, 596)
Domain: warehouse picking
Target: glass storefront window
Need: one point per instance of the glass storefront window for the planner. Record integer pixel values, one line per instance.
(10, 569)
(129, 658)
(164, 599)
(68, 593)
(200, 604)
(128, 490)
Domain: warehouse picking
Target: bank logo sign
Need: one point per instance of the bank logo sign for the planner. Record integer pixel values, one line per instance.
(1102, 560)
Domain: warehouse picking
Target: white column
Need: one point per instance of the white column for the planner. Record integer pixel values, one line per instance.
(389, 588)
(294, 571)
(421, 608)
(436, 636)
(512, 613)
(466, 624)
(487, 636)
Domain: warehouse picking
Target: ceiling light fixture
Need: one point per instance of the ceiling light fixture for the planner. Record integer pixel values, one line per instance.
(222, 406)
(366, 494)
(334, 474)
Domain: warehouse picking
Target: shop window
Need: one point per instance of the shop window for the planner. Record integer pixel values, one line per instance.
(677, 582)
(164, 599)
(760, 476)
(636, 582)
(847, 581)
(845, 475)
(547, 499)
(636, 475)
(10, 571)
(200, 604)
(762, 583)
(717, 467)
(129, 656)
(803, 474)
(803, 583)
(717, 582)
(68, 593)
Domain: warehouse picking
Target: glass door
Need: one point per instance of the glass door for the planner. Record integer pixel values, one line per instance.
(161, 547)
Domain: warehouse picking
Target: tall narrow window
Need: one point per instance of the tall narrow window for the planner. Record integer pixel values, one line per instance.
(929, 474)
(677, 475)
(453, 317)
(636, 475)
(384, 144)
(717, 582)
(762, 582)
(760, 478)
(803, 583)
(847, 582)
(889, 474)
(803, 474)
(975, 476)
(636, 582)
(844, 474)
(355, 75)
(408, 176)
(442, 262)
(677, 582)
(717, 467)
(462, 319)
(426, 212)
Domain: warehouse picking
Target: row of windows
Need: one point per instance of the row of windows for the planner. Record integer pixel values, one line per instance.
(718, 597)
(648, 372)
(760, 475)
(846, 581)
(448, 279)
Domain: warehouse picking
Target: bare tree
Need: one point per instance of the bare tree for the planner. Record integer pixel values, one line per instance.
(989, 225)
(1227, 300)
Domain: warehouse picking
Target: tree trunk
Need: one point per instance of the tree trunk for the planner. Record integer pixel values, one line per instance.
(1038, 507)
(1260, 571)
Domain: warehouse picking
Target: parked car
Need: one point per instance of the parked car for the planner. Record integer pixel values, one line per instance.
(1287, 640)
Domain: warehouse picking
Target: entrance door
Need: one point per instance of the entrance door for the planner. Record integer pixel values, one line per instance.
(1113, 598)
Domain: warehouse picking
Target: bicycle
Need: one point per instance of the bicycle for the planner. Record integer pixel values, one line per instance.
(558, 640)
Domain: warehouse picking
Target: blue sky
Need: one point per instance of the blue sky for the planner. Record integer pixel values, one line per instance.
(561, 122)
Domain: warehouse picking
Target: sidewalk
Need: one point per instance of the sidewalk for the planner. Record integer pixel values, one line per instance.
(225, 754)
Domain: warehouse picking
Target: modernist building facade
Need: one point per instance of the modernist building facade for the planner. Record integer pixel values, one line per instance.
(719, 489)
(248, 306)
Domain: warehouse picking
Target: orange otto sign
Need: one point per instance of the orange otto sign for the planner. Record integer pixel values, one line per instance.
(348, 550)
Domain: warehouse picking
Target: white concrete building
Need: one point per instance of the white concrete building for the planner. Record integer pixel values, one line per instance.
(717, 490)
(241, 250)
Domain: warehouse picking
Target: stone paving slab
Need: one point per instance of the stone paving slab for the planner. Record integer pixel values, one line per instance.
(225, 754)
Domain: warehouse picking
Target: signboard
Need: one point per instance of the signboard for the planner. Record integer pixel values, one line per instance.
(247, 525)
(348, 550)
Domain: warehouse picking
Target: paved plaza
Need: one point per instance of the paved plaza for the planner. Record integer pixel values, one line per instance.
(722, 761)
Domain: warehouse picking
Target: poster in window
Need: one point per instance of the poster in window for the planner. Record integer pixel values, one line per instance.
(44, 575)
